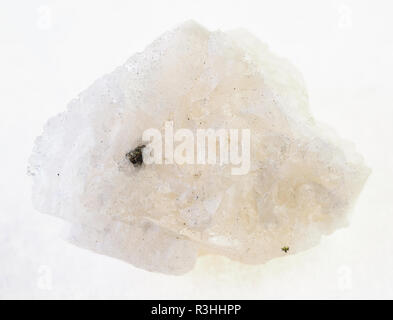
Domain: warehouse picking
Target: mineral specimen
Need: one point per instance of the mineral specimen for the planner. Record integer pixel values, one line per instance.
(88, 166)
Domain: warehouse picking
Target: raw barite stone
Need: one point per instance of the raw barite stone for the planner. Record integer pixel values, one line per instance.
(89, 164)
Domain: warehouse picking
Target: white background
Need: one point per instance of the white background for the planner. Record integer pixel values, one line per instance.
(50, 51)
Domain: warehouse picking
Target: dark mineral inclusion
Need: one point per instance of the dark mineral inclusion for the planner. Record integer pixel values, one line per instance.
(135, 156)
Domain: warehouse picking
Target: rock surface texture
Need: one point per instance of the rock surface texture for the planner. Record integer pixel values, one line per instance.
(302, 181)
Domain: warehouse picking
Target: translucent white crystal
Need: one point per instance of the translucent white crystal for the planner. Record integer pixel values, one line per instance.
(301, 185)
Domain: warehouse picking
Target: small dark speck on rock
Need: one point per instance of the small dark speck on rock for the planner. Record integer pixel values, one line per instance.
(135, 156)
(285, 249)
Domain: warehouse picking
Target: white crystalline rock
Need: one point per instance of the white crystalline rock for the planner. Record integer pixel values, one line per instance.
(302, 182)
